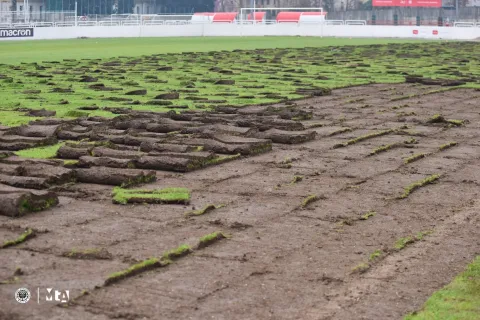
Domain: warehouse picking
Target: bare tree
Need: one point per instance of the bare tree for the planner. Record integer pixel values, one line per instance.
(328, 5)
(227, 5)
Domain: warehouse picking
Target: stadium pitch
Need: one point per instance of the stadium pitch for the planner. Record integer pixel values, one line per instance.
(239, 178)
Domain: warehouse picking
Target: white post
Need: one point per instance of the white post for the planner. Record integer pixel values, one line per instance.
(76, 13)
(254, 8)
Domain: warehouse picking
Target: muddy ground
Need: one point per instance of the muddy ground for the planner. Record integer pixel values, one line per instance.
(282, 260)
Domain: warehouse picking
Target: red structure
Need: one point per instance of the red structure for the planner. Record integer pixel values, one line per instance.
(225, 17)
(296, 17)
(259, 16)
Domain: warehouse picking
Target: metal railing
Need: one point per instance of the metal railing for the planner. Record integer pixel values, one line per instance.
(465, 24)
(28, 17)
(13, 19)
(356, 22)
(335, 22)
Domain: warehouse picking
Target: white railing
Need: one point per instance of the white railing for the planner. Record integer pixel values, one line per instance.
(154, 20)
(21, 25)
(64, 24)
(130, 23)
(43, 24)
(109, 23)
(334, 22)
(355, 22)
(87, 23)
(153, 23)
(464, 24)
(176, 22)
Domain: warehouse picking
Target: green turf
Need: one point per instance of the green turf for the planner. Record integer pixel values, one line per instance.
(47, 152)
(263, 76)
(459, 300)
(14, 52)
(166, 195)
(29, 233)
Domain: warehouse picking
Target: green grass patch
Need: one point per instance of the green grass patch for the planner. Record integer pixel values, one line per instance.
(76, 114)
(12, 118)
(308, 200)
(70, 163)
(415, 157)
(459, 300)
(14, 52)
(340, 131)
(292, 63)
(361, 268)
(166, 195)
(447, 146)
(296, 179)
(28, 234)
(375, 255)
(47, 152)
(418, 184)
(176, 253)
(403, 242)
(204, 210)
(362, 138)
(438, 118)
(133, 270)
(383, 148)
(210, 238)
(368, 215)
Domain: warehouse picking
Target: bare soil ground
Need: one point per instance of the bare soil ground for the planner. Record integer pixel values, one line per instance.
(282, 260)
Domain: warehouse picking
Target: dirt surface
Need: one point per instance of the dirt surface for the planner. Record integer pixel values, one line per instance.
(283, 258)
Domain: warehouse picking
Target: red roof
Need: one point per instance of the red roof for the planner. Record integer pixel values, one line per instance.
(314, 13)
(259, 16)
(224, 16)
(286, 16)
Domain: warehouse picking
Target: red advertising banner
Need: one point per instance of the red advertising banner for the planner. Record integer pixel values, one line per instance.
(407, 3)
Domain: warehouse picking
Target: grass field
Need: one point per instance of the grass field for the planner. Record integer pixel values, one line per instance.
(74, 78)
(391, 159)
(14, 52)
(459, 300)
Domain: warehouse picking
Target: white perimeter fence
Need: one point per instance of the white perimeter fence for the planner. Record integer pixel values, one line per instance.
(20, 19)
(235, 30)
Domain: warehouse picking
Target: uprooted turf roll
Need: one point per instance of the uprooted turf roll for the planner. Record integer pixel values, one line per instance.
(162, 147)
(287, 137)
(24, 182)
(15, 204)
(87, 162)
(119, 154)
(54, 175)
(165, 163)
(66, 152)
(114, 177)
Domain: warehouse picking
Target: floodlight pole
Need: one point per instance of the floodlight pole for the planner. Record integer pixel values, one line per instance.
(456, 9)
(76, 4)
(254, 8)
